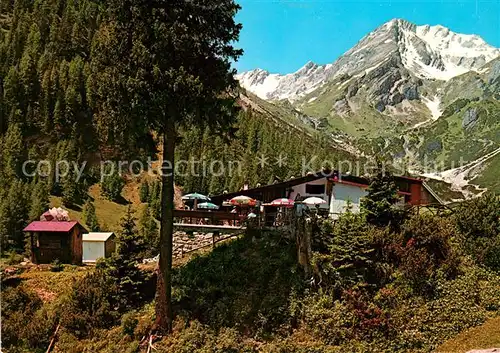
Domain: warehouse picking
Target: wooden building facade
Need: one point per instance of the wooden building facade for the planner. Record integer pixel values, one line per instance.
(56, 240)
(337, 190)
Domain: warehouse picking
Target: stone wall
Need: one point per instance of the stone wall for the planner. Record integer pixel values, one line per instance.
(184, 242)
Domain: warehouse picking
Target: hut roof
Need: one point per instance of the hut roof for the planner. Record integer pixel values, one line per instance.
(51, 226)
(97, 236)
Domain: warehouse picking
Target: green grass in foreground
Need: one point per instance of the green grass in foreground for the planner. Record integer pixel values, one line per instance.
(481, 337)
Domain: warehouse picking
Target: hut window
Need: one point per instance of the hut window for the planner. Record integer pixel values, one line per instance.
(315, 189)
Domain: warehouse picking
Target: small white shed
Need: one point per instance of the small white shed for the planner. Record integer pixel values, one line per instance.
(97, 245)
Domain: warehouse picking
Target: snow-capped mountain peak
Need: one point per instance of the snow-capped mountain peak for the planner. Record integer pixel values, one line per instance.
(428, 52)
(290, 86)
(436, 52)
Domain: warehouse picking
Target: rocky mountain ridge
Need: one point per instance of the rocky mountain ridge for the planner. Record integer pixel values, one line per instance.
(420, 95)
(426, 52)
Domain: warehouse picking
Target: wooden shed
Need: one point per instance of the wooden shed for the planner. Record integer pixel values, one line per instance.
(98, 245)
(56, 240)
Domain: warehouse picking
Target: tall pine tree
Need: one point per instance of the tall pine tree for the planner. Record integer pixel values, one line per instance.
(174, 70)
(39, 200)
(14, 212)
(112, 184)
(70, 190)
(12, 152)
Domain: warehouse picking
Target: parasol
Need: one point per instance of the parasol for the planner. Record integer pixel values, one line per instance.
(208, 206)
(314, 201)
(195, 196)
(283, 202)
(243, 201)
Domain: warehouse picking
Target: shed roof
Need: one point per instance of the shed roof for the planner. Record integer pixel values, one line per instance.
(97, 236)
(51, 226)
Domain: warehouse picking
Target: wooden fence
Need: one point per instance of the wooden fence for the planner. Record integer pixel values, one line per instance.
(207, 217)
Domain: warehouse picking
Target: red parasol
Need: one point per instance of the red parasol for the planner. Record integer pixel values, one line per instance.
(283, 202)
(243, 201)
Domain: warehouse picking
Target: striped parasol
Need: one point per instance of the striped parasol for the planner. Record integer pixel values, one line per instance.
(283, 202)
(243, 201)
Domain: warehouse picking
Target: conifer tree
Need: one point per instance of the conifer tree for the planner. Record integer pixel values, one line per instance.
(4, 223)
(70, 191)
(13, 90)
(154, 191)
(14, 211)
(155, 206)
(39, 200)
(112, 184)
(148, 230)
(347, 253)
(130, 243)
(144, 191)
(122, 266)
(216, 185)
(155, 199)
(90, 217)
(39, 204)
(12, 152)
(379, 205)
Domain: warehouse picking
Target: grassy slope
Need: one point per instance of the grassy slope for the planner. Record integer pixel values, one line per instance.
(263, 280)
(51, 285)
(469, 85)
(280, 112)
(314, 131)
(365, 121)
(481, 337)
(472, 85)
(108, 212)
(446, 141)
(489, 176)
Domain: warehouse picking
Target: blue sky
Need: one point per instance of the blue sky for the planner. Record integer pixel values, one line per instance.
(282, 35)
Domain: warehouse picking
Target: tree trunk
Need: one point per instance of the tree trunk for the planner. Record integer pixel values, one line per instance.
(163, 323)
